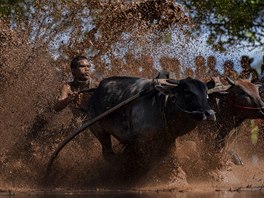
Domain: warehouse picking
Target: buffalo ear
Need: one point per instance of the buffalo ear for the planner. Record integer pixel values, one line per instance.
(210, 84)
(230, 81)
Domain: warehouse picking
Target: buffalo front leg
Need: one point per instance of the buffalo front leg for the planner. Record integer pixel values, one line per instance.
(105, 140)
(223, 145)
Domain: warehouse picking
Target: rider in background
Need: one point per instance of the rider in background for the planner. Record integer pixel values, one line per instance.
(247, 71)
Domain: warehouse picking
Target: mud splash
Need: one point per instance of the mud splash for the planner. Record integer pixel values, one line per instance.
(30, 131)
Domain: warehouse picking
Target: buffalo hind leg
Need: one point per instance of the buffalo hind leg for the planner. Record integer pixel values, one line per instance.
(105, 140)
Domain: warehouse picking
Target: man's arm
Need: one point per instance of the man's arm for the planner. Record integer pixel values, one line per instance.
(66, 97)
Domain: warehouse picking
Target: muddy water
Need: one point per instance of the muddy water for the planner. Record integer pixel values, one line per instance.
(30, 131)
(244, 194)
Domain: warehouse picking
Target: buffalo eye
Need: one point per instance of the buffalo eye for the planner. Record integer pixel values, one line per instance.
(173, 99)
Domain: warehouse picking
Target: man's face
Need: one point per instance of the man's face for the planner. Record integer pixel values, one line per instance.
(82, 72)
(211, 63)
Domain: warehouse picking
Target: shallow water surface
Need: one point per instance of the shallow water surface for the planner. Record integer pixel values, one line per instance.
(219, 194)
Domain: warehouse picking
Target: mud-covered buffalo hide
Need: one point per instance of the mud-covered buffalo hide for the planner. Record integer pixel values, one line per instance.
(170, 110)
(233, 104)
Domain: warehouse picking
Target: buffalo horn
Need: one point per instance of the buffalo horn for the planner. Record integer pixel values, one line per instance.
(230, 81)
(258, 85)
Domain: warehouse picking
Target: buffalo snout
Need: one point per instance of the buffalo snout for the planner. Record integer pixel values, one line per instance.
(209, 115)
(202, 115)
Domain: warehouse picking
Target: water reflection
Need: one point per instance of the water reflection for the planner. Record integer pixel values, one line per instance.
(222, 194)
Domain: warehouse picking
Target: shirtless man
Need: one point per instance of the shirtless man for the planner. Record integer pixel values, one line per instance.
(247, 71)
(71, 92)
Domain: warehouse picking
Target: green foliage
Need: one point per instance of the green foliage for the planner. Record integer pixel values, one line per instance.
(229, 21)
(168, 38)
(8, 7)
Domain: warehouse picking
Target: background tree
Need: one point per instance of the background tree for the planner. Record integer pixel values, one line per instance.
(229, 22)
(11, 7)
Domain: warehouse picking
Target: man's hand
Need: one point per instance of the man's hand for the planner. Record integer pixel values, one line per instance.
(73, 96)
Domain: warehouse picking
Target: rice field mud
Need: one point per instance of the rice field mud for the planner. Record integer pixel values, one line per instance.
(30, 130)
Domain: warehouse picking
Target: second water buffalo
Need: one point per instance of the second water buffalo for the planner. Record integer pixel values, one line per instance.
(233, 104)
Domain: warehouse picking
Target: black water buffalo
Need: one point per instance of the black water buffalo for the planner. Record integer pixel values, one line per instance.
(167, 112)
(233, 104)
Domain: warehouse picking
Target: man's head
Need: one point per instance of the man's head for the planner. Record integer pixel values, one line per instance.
(211, 61)
(188, 72)
(246, 61)
(199, 61)
(228, 66)
(80, 67)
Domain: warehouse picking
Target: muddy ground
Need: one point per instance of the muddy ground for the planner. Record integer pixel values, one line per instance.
(31, 130)
(80, 165)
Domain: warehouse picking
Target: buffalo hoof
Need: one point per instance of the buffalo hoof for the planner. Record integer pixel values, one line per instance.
(236, 159)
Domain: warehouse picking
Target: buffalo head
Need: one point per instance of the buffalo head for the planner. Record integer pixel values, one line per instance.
(189, 97)
(243, 99)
